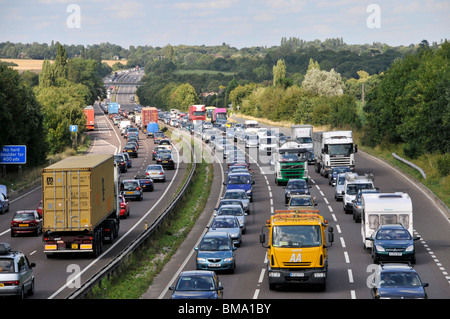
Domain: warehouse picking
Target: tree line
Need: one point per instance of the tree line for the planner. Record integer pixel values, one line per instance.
(37, 110)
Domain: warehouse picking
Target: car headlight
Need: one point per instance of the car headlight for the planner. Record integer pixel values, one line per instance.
(249, 192)
(379, 248)
(228, 259)
(235, 235)
(202, 260)
(410, 248)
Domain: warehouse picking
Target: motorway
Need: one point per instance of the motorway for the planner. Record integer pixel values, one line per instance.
(348, 261)
(56, 278)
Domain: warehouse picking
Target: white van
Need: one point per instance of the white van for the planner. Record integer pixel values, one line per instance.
(251, 127)
(4, 199)
(384, 208)
(353, 184)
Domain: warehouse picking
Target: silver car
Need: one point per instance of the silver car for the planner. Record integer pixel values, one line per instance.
(229, 224)
(234, 210)
(339, 186)
(241, 195)
(16, 273)
(156, 172)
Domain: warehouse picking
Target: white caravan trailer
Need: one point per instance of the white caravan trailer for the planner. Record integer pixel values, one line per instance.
(385, 208)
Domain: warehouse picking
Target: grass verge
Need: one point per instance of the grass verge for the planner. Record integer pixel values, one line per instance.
(138, 272)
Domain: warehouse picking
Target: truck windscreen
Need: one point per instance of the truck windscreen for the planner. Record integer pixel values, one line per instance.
(294, 236)
(339, 149)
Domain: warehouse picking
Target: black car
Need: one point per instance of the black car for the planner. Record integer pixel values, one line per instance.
(393, 242)
(131, 149)
(121, 162)
(295, 187)
(397, 281)
(146, 182)
(166, 161)
(197, 284)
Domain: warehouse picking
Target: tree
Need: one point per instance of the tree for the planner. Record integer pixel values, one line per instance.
(21, 116)
(183, 96)
(279, 72)
(323, 82)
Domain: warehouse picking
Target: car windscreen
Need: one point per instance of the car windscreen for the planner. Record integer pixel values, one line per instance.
(214, 244)
(224, 223)
(24, 216)
(232, 211)
(238, 179)
(296, 236)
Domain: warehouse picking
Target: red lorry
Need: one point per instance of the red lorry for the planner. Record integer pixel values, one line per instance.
(89, 112)
(149, 115)
(197, 113)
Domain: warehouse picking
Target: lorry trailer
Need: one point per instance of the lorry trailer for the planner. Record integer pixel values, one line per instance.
(80, 207)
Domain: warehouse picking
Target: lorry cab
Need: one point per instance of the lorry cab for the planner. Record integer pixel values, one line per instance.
(384, 208)
(240, 181)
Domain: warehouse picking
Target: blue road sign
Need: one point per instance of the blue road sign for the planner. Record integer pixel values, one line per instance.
(13, 154)
(73, 128)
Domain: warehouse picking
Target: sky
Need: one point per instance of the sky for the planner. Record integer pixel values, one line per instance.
(238, 23)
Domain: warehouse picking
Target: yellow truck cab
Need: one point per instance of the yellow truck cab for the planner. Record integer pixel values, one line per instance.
(296, 249)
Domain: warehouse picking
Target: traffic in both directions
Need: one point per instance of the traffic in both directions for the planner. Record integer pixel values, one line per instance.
(352, 272)
(57, 277)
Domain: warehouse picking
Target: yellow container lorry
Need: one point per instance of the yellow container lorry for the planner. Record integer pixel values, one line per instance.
(80, 206)
(297, 248)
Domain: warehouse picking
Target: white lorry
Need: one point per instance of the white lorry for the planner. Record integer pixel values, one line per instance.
(384, 208)
(333, 149)
(303, 135)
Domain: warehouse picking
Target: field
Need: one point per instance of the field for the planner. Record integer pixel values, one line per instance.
(36, 65)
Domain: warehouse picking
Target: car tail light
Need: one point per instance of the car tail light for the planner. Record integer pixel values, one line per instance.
(11, 283)
(161, 173)
(138, 188)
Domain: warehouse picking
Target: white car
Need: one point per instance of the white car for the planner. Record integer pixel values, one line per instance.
(156, 172)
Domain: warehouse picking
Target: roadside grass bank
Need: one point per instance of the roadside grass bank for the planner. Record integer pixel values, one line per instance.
(137, 273)
(435, 166)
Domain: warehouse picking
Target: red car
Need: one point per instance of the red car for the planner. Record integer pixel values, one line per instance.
(26, 222)
(124, 207)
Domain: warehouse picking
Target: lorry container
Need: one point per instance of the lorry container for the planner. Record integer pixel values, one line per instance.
(80, 204)
(197, 113)
(332, 149)
(90, 119)
(297, 248)
(113, 108)
(149, 115)
(302, 134)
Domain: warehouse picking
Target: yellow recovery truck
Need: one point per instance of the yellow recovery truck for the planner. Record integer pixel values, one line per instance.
(297, 250)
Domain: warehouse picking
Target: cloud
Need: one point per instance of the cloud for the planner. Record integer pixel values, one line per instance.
(126, 10)
(205, 5)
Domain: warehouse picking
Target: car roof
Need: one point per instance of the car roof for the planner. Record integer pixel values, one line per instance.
(391, 226)
(197, 273)
(216, 234)
(235, 190)
(230, 205)
(397, 266)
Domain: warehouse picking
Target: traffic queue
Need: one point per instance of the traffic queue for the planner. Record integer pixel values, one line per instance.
(386, 218)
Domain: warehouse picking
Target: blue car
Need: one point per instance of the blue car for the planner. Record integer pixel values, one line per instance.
(240, 181)
(197, 284)
(397, 281)
(393, 242)
(216, 252)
